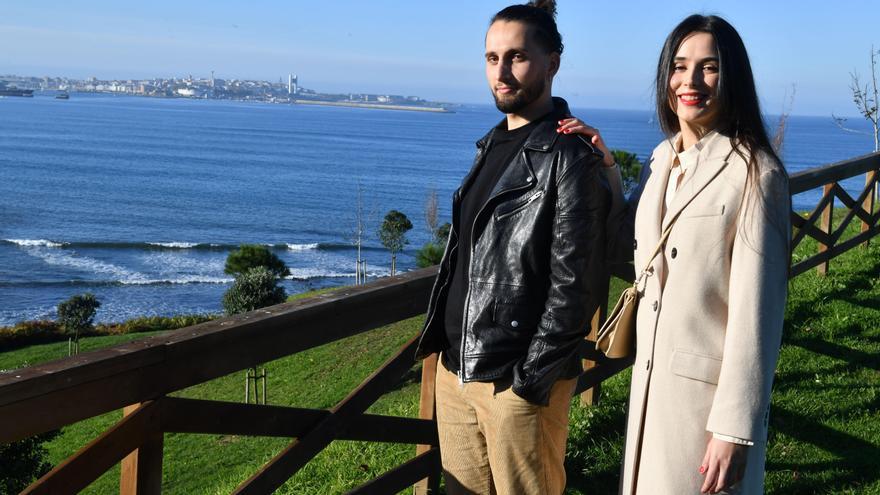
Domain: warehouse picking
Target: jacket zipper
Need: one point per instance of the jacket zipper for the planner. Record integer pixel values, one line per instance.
(462, 375)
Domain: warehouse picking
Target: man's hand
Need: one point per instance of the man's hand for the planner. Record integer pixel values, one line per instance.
(574, 125)
(723, 465)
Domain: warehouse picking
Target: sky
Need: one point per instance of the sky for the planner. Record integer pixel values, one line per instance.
(435, 49)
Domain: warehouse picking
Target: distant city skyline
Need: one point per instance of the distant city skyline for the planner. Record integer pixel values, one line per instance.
(434, 50)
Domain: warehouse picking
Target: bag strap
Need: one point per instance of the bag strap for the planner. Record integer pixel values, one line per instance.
(659, 248)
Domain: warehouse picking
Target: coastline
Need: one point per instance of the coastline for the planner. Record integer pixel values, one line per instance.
(379, 106)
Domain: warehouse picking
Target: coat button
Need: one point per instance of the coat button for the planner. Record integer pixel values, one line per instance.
(655, 305)
(514, 323)
(528, 179)
(635, 244)
(674, 253)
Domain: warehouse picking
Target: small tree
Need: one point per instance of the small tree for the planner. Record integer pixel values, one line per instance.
(256, 288)
(630, 168)
(392, 234)
(249, 256)
(24, 461)
(867, 100)
(779, 137)
(432, 214)
(76, 314)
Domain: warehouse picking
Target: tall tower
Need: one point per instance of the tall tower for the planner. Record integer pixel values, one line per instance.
(289, 84)
(295, 84)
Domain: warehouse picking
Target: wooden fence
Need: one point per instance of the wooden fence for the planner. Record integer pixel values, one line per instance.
(142, 374)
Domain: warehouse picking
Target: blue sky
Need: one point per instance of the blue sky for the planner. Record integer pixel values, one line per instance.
(434, 49)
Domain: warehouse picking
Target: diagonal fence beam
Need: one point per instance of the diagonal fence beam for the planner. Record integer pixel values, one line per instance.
(297, 454)
(402, 476)
(102, 453)
(808, 226)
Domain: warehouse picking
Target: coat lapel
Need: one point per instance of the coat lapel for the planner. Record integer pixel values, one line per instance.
(716, 150)
(652, 203)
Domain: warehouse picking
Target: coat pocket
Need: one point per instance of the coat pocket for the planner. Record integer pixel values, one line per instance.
(516, 317)
(506, 210)
(698, 211)
(695, 366)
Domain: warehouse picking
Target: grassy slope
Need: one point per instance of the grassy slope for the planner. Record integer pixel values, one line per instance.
(825, 421)
(825, 417)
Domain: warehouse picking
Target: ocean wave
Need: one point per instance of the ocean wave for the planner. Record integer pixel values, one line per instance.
(110, 283)
(34, 242)
(178, 245)
(303, 247)
(195, 279)
(315, 273)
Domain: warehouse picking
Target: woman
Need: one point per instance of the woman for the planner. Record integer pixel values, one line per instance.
(706, 347)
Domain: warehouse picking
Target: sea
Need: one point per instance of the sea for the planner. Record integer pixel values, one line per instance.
(139, 200)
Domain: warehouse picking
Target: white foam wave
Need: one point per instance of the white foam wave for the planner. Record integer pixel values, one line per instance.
(312, 273)
(180, 280)
(114, 272)
(302, 247)
(35, 242)
(179, 245)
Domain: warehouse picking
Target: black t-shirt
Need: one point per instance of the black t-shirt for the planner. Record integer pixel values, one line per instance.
(503, 148)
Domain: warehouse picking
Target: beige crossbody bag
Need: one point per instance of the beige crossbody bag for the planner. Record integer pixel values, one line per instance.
(617, 337)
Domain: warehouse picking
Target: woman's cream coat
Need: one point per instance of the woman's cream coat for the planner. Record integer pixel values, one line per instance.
(707, 340)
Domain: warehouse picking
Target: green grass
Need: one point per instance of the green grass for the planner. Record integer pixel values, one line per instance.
(825, 420)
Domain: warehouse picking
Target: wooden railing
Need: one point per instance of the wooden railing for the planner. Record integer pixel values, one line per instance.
(142, 374)
(829, 238)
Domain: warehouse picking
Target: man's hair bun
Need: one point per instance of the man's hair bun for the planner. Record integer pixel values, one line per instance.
(540, 15)
(548, 6)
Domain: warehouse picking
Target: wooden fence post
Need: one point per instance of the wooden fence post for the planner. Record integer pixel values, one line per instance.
(430, 485)
(141, 472)
(827, 217)
(590, 396)
(868, 204)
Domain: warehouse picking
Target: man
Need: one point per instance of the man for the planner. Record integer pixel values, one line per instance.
(519, 278)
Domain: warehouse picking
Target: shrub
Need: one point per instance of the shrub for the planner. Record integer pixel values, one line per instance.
(23, 462)
(442, 233)
(28, 333)
(256, 288)
(249, 256)
(630, 168)
(151, 324)
(429, 255)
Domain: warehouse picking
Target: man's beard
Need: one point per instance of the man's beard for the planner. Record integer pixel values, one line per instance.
(522, 98)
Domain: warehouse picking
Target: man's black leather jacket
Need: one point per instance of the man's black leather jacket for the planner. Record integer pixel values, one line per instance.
(537, 270)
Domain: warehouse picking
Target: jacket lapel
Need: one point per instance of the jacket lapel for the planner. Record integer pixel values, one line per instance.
(652, 203)
(710, 162)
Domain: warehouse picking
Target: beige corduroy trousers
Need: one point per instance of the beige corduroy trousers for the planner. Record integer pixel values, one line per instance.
(494, 442)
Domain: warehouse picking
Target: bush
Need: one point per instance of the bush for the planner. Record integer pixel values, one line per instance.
(255, 288)
(151, 324)
(76, 314)
(249, 256)
(630, 168)
(429, 255)
(23, 462)
(442, 233)
(29, 333)
(36, 332)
